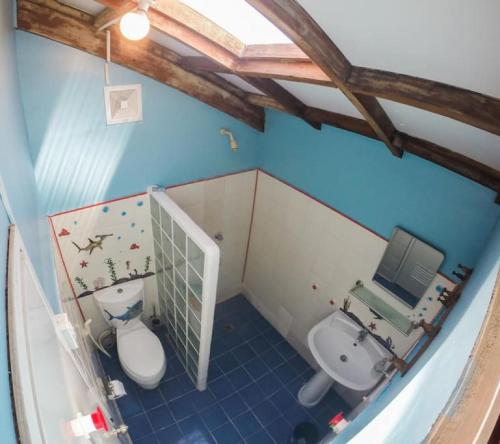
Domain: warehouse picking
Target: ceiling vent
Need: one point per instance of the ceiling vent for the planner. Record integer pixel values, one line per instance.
(123, 103)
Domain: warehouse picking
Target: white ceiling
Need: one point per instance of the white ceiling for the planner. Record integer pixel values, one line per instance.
(452, 41)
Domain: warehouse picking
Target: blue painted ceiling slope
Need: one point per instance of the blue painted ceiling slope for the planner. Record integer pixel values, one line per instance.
(78, 160)
(361, 178)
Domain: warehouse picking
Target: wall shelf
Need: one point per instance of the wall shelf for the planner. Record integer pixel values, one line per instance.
(389, 313)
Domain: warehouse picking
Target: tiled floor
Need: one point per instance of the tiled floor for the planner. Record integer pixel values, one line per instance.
(254, 378)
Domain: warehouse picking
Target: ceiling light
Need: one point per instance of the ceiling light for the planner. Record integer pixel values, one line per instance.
(134, 25)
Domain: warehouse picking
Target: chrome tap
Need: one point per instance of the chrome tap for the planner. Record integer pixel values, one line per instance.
(379, 367)
(362, 335)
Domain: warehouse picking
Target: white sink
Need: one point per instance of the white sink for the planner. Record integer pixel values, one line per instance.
(334, 344)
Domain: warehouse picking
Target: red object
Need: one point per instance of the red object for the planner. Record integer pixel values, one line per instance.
(83, 264)
(336, 419)
(99, 420)
(372, 326)
(314, 287)
(134, 247)
(64, 232)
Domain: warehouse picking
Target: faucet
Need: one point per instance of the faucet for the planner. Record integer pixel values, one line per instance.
(362, 335)
(379, 367)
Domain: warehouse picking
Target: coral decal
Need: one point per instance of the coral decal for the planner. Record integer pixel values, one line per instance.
(83, 264)
(93, 244)
(64, 232)
(134, 246)
(111, 269)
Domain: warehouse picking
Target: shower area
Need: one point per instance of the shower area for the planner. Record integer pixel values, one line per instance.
(187, 269)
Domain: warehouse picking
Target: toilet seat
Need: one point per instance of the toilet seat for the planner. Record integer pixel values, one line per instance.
(141, 355)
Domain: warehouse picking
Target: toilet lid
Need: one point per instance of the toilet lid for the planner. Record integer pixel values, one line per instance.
(141, 352)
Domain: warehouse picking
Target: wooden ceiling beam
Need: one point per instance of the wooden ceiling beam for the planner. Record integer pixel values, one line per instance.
(472, 108)
(299, 26)
(190, 28)
(432, 152)
(283, 97)
(288, 52)
(50, 19)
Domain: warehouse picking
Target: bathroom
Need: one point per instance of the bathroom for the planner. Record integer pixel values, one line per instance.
(208, 269)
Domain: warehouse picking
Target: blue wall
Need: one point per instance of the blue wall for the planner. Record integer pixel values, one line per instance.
(410, 405)
(79, 160)
(6, 420)
(359, 177)
(17, 181)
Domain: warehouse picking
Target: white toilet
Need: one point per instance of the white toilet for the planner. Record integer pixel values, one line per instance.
(140, 351)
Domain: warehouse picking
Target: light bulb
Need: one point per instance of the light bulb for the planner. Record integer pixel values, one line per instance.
(135, 25)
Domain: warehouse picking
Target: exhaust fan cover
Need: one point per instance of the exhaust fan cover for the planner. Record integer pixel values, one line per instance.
(123, 103)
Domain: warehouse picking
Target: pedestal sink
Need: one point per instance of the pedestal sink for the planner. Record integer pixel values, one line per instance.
(347, 354)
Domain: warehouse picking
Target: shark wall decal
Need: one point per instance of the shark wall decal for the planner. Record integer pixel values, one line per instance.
(93, 244)
(131, 313)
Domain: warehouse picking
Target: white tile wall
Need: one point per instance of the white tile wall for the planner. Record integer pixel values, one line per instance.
(128, 221)
(297, 242)
(222, 205)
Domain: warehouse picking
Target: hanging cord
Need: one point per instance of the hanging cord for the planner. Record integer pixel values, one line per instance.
(88, 333)
(108, 57)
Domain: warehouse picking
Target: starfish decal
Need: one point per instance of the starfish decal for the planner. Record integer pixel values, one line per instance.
(372, 326)
(83, 264)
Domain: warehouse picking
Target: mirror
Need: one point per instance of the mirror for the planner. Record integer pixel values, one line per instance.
(407, 267)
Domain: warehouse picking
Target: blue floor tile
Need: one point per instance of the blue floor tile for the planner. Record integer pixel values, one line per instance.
(170, 435)
(233, 405)
(272, 358)
(149, 439)
(282, 399)
(139, 426)
(221, 388)
(254, 378)
(285, 373)
(213, 417)
(246, 424)
(194, 430)
(266, 412)
(227, 434)
(256, 367)
(280, 430)
(261, 437)
(269, 383)
(260, 345)
(150, 398)
(239, 378)
(252, 395)
(181, 408)
(160, 417)
(243, 353)
(227, 362)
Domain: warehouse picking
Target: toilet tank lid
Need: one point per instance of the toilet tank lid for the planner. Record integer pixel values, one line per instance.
(116, 293)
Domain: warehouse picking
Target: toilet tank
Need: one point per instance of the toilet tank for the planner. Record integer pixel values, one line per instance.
(122, 304)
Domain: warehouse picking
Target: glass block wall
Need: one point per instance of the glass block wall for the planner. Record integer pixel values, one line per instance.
(187, 268)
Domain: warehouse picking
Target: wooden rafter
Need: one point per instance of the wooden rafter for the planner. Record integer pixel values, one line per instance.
(191, 28)
(472, 108)
(49, 18)
(298, 25)
(287, 100)
(432, 152)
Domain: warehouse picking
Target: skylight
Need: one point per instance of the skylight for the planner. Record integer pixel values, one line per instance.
(239, 19)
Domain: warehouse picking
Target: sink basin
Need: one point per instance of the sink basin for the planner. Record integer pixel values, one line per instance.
(333, 343)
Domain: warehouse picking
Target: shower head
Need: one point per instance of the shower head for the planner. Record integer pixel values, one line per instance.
(232, 140)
